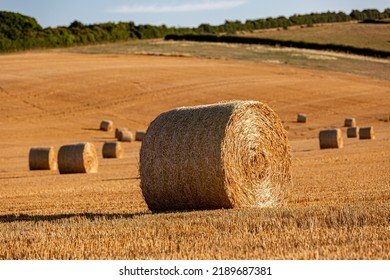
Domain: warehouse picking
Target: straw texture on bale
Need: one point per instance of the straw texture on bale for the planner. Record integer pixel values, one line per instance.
(353, 132)
(112, 150)
(351, 122)
(106, 125)
(302, 118)
(331, 138)
(226, 155)
(367, 133)
(125, 136)
(117, 130)
(77, 158)
(42, 158)
(139, 135)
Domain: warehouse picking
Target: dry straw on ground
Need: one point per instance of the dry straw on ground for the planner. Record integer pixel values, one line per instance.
(106, 125)
(77, 158)
(112, 150)
(139, 135)
(367, 133)
(331, 138)
(301, 118)
(350, 122)
(226, 155)
(43, 158)
(353, 132)
(125, 136)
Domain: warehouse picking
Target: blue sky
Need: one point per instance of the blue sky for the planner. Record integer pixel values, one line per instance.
(173, 12)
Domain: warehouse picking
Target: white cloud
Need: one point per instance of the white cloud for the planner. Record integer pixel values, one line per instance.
(185, 7)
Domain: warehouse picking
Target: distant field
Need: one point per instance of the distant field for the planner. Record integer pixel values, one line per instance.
(322, 60)
(374, 36)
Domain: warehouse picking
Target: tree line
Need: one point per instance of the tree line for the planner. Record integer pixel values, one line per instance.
(20, 32)
(279, 43)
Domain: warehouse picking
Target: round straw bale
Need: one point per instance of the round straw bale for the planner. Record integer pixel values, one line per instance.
(367, 133)
(353, 132)
(226, 155)
(117, 130)
(106, 125)
(331, 138)
(77, 158)
(112, 150)
(302, 118)
(125, 136)
(351, 122)
(43, 158)
(139, 135)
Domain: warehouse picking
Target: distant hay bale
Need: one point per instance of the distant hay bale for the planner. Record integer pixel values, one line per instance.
(106, 125)
(302, 118)
(353, 132)
(226, 155)
(139, 135)
(384, 119)
(43, 158)
(331, 138)
(367, 133)
(112, 150)
(350, 122)
(77, 158)
(117, 130)
(125, 136)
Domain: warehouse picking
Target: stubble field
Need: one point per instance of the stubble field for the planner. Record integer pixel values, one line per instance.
(362, 35)
(338, 205)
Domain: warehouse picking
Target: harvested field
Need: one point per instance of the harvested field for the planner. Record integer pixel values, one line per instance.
(338, 205)
(355, 34)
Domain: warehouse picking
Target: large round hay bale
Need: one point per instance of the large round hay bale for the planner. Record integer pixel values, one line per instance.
(331, 138)
(367, 133)
(301, 118)
(106, 125)
(139, 135)
(353, 132)
(43, 158)
(225, 155)
(125, 136)
(118, 130)
(77, 158)
(112, 150)
(350, 122)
